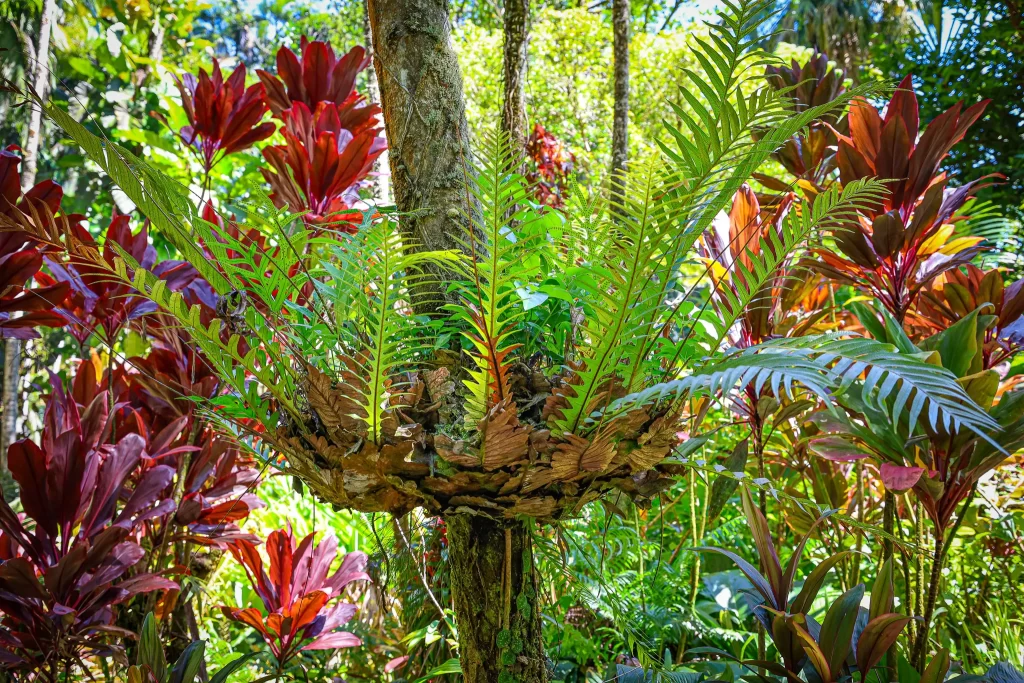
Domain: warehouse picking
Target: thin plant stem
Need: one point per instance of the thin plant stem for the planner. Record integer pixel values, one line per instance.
(929, 609)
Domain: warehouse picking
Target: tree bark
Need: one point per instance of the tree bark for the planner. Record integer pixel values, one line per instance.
(9, 430)
(921, 642)
(517, 37)
(29, 164)
(620, 124)
(382, 186)
(425, 123)
(40, 84)
(495, 594)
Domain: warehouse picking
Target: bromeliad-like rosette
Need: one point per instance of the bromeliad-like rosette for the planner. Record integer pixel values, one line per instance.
(319, 169)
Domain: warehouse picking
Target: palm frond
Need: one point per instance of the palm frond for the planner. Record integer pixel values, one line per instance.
(827, 366)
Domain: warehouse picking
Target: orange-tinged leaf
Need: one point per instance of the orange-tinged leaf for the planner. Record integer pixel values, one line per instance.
(306, 609)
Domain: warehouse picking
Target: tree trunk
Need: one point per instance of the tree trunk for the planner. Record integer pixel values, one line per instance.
(40, 84)
(495, 594)
(9, 430)
(425, 123)
(156, 50)
(382, 186)
(29, 164)
(620, 125)
(517, 37)
(935, 581)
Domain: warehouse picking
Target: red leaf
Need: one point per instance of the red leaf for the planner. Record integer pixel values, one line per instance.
(898, 478)
(336, 641)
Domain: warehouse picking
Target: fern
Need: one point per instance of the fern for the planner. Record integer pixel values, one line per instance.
(828, 366)
(832, 208)
(385, 269)
(621, 293)
(496, 268)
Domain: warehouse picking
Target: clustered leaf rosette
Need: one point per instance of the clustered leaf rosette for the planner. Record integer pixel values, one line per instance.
(97, 302)
(319, 76)
(908, 238)
(810, 155)
(800, 640)
(59, 590)
(21, 254)
(956, 294)
(224, 116)
(318, 169)
(553, 163)
(331, 134)
(296, 593)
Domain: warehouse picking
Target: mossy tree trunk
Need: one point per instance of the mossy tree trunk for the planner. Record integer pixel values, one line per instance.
(421, 96)
(425, 122)
(494, 588)
(517, 35)
(620, 79)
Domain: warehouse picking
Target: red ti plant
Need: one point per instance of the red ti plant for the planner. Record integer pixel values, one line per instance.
(296, 593)
(224, 116)
(319, 76)
(788, 623)
(810, 156)
(74, 562)
(729, 248)
(320, 166)
(907, 239)
(330, 131)
(958, 293)
(829, 649)
(21, 255)
(552, 163)
(98, 302)
(773, 583)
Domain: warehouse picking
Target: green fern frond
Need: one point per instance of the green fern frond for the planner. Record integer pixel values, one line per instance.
(164, 201)
(621, 291)
(832, 209)
(827, 365)
(496, 267)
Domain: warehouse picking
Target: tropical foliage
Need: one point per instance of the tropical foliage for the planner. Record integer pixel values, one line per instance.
(576, 443)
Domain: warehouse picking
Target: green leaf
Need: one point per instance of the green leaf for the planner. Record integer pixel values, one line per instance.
(231, 667)
(837, 628)
(452, 666)
(724, 487)
(186, 669)
(936, 670)
(882, 591)
(151, 650)
(866, 317)
(813, 583)
(876, 638)
(958, 345)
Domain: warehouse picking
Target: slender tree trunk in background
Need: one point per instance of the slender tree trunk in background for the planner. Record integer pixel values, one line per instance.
(620, 124)
(40, 84)
(12, 375)
(156, 50)
(517, 37)
(921, 642)
(495, 594)
(382, 185)
(425, 122)
(29, 164)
